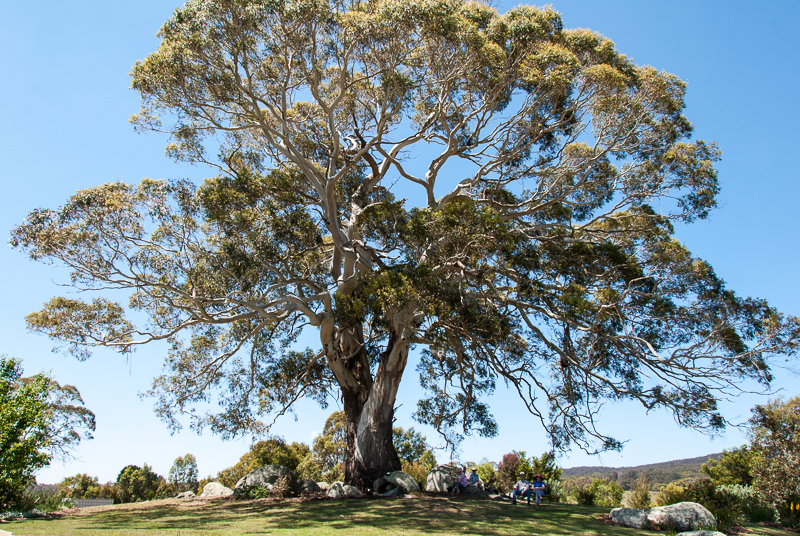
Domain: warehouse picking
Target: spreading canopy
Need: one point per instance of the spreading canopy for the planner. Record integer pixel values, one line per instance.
(492, 189)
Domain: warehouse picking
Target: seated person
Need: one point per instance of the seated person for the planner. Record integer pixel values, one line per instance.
(522, 487)
(474, 479)
(461, 483)
(539, 488)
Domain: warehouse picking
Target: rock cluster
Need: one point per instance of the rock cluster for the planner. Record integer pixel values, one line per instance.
(395, 484)
(340, 490)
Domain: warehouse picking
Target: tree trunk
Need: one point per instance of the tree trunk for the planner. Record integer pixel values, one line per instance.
(368, 405)
(370, 450)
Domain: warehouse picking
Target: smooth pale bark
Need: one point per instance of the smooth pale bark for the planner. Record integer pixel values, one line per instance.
(368, 403)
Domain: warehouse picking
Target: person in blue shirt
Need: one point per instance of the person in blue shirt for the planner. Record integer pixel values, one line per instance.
(474, 479)
(539, 488)
(522, 487)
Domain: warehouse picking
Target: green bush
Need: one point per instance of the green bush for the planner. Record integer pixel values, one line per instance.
(608, 492)
(597, 491)
(751, 505)
(488, 472)
(310, 468)
(254, 492)
(584, 496)
(558, 492)
(720, 501)
(671, 494)
(41, 500)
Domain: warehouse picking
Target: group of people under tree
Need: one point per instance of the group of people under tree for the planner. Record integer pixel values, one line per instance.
(522, 488)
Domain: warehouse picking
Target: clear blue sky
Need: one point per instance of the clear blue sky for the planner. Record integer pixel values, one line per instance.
(64, 104)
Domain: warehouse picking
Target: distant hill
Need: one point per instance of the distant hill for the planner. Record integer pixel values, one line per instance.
(657, 473)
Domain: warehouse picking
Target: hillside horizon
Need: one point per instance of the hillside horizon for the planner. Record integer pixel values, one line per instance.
(657, 473)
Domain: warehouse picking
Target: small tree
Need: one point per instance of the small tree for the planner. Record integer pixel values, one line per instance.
(546, 466)
(409, 444)
(79, 486)
(509, 468)
(183, 473)
(735, 466)
(775, 432)
(640, 494)
(487, 470)
(39, 420)
(136, 483)
(670, 494)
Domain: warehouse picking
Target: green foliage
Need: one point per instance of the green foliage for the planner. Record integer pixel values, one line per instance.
(136, 484)
(183, 473)
(39, 419)
(79, 486)
(558, 491)
(409, 444)
(23, 431)
(775, 431)
(640, 494)
(255, 492)
(310, 469)
(608, 493)
(488, 472)
(670, 494)
(592, 491)
(546, 466)
(330, 447)
(273, 451)
(753, 508)
(584, 495)
(734, 467)
(723, 502)
(428, 460)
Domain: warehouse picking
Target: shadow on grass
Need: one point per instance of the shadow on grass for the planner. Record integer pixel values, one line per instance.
(404, 516)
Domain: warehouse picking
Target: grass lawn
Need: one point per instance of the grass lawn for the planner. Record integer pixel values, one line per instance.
(442, 516)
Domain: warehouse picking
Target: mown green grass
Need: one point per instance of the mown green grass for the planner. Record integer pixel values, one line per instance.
(439, 516)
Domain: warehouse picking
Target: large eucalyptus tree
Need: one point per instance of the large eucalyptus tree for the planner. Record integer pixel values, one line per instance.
(492, 189)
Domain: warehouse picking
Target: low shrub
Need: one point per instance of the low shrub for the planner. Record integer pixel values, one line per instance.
(584, 496)
(723, 503)
(640, 494)
(594, 492)
(286, 486)
(671, 494)
(418, 472)
(558, 492)
(254, 492)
